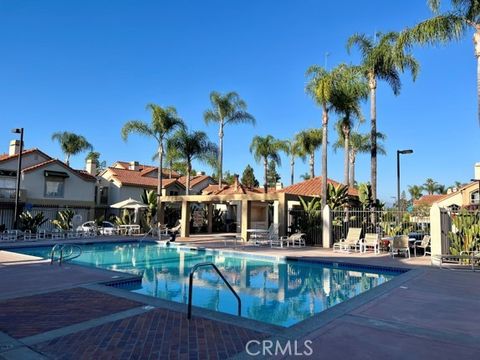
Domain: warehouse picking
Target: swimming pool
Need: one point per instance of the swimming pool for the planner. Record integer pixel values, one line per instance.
(272, 290)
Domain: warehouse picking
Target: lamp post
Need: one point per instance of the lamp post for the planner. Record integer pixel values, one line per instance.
(400, 152)
(19, 168)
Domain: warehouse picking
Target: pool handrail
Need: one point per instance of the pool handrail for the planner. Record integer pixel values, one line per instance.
(63, 257)
(190, 287)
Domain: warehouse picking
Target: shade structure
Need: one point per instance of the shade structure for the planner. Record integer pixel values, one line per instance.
(129, 204)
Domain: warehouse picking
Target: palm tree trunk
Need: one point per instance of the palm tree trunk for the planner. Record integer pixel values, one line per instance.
(187, 182)
(352, 168)
(476, 41)
(324, 155)
(292, 170)
(220, 155)
(170, 175)
(312, 164)
(265, 169)
(160, 183)
(67, 159)
(373, 135)
(346, 159)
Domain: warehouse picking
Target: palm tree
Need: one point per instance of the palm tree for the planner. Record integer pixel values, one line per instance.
(226, 109)
(309, 141)
(192, 146)
(94, 156)
(267, 149)
(381, 60)
(349, 107)
(305, 176)
(292, 149)
(71, 144)
(359, 144)
(164, 121)
(430, 186)
(415, 191)
(463, 16)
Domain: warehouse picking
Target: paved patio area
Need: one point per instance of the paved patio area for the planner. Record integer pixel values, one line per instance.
(60, 313)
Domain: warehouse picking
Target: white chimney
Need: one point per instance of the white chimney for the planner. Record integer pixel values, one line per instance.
(133, 165)
(449, 190)
(278, 186)
(477, 171)
(91, 167)
(14, 148)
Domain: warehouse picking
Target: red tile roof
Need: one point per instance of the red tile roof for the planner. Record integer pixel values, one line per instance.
(136, 178)
(4, 157)
(312, 187)
(81, 173)
(194, 180)
(429, 199)
(146, 169)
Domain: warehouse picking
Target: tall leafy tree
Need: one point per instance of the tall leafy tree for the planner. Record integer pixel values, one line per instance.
(267, 149)
(192, 146)
(308, 142)
(359, 144)
(463, 17)
(272, 175)
(71, 144)
(415, 191)
(164, 121)
(248, 178)
(293, 150)
(382, 59)
(226, 109)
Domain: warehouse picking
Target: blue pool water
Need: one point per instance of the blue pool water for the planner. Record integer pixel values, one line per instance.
(274, 291)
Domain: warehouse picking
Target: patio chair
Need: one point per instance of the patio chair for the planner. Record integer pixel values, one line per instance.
(296, 239)
(351, 241)
(370, 241)
(401, 244)
(422, 244)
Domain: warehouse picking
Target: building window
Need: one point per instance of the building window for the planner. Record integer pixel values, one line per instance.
(54, 187)
(103, 195)
(173, 193)
(475, 197)
(7, 183)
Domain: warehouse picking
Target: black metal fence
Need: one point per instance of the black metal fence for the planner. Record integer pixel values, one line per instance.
(309, 223)
(385, 223)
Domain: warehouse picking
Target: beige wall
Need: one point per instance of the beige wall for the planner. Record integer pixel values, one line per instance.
(76, 190)
(460, 198)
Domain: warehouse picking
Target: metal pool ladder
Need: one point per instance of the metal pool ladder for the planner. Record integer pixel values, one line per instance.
(65, 251)
(190, 287)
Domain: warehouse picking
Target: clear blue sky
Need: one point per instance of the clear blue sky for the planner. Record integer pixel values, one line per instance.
(88, 66)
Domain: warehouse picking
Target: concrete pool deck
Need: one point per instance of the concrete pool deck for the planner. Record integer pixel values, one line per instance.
(429, 313)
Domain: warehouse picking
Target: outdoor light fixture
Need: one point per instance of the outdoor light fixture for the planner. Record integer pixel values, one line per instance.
(19, 168)
(400, 152)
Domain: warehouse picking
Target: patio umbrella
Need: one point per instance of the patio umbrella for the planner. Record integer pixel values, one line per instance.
(130, 204)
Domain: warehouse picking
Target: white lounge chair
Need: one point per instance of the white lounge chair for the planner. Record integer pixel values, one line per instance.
(401, 244)
(351, 241)
(296, 239)
(422, 244)
(371, 241)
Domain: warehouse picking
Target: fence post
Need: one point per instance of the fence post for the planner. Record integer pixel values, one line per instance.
(436, 233)
(326, 227)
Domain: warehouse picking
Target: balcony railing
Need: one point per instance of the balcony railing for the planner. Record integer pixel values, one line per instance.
(7, 194)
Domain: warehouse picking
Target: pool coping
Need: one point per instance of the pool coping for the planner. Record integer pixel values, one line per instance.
(300, 329)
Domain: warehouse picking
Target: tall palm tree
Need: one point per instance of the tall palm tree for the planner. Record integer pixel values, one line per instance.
(415, 191)
(430, 186)
(293, 150)
(349, 107)
(359, 144)
(192, 146)
(381, 60)
(309, 141)
(463, 16)
(71, 144)
(226, 109)
(267, 149)
(164, 121)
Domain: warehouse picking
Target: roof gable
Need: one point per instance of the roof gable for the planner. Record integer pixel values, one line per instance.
(80, 173)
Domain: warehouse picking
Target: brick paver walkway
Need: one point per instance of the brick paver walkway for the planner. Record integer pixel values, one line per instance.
(31, 315)
(157, 334)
